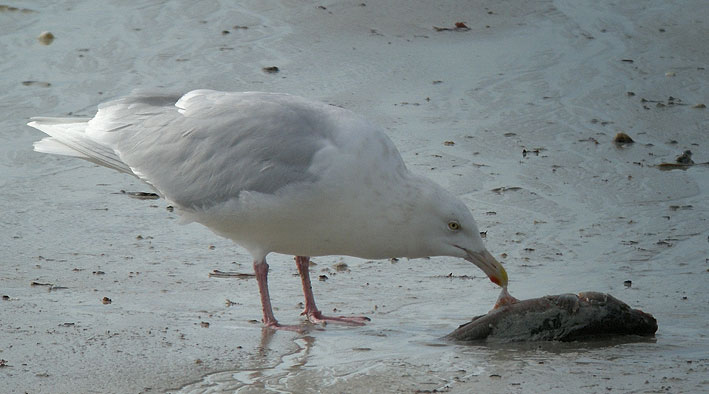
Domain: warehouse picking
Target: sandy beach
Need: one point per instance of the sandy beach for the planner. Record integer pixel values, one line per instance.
(514, 110)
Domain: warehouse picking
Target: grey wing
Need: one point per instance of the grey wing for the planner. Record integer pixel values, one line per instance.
(207, 147)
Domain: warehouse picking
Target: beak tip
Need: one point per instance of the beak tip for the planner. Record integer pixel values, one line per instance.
(485, 261)
(502, 279)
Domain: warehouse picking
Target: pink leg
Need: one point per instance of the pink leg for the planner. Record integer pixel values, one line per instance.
(261, 270)
(311, 311)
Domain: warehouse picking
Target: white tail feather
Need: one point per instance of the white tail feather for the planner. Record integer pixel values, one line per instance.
(52, 146)
(68, 138)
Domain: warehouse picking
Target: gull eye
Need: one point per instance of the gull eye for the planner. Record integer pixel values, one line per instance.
(453, 225)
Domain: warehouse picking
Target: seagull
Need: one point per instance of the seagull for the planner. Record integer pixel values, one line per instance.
(276, 173)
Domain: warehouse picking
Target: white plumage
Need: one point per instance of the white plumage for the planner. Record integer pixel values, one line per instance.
(276, 173)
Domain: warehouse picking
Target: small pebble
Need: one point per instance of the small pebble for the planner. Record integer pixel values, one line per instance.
(622, 138)
(45, 38)
(685, 158)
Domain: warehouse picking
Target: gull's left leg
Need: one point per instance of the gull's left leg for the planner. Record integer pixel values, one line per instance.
(311, 311)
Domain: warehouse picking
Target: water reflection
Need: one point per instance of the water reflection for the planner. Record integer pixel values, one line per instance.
(266, 370)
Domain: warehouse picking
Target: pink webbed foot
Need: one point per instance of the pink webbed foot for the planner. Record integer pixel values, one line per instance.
(317, 317)
(284, 327)
(311, 310)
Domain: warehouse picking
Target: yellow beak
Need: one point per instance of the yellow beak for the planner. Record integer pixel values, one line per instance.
(490, 266)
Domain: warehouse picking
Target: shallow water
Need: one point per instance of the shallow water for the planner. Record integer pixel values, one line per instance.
(574, 213)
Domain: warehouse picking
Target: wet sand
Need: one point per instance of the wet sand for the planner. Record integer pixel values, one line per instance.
(516, 115)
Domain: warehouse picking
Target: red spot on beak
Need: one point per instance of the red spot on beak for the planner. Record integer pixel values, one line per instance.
(496, 281)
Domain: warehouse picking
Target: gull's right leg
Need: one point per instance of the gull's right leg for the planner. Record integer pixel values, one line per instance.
(261, 271)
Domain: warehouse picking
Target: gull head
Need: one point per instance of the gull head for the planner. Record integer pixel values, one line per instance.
(452, 231)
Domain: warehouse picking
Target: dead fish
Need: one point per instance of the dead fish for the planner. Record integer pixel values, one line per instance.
(564, 317)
